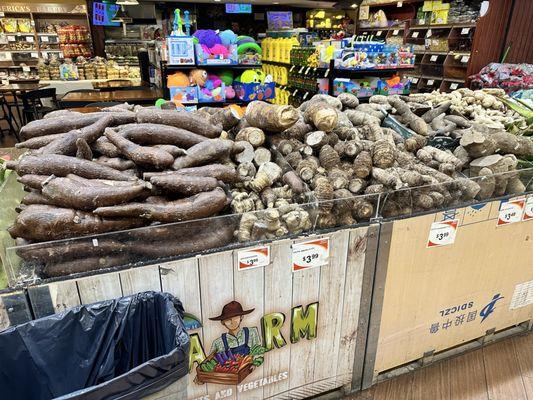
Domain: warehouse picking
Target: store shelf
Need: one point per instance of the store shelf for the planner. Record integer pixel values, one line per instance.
(394, 3)
(46, 34)
(281, 64)
(340, 72)
(444, 26)
(225, 66)
(218, 103)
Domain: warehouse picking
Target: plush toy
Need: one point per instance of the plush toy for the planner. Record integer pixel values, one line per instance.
(226, 76)
(219, 49)
(227, 37)
(213, 82)
(247, 43)
(207, 37)
(198, 77)
(230, 92)
(250, 76)
(178, 79)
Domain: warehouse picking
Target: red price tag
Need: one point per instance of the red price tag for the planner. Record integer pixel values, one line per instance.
(253, 258)
(511, 211)
(310, 254)
(528, 209)
(442, 233)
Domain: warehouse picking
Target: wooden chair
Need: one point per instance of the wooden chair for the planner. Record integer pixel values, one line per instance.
(7, 116)
(33, 107)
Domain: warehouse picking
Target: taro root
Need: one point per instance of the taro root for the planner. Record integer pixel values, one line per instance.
(180, 119)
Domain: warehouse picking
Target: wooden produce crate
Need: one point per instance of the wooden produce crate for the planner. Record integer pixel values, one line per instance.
(432, 301)
(223, 378)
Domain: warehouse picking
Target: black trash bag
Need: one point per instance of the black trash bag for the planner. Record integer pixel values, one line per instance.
(125, 348)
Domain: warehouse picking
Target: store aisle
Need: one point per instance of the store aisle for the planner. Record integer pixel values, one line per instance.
(500, 371)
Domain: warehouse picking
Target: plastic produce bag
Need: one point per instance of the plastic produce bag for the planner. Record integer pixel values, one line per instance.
(125, 348)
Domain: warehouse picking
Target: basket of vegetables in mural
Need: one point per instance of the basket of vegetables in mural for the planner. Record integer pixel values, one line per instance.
(227, 368)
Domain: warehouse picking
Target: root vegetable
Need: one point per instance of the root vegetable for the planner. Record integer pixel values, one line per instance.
(387, 178)
(383, 154)
(254, 136)
(362, 164)
(41, 222)
(39, 141)
(416, 123)
(323, 116)
(140, 155)
(174, 151)
(432, 114)
(103, 146)
(184, 184)
(247, 154)
(179, 119)
(150, 134)
(220, 172)
(83, 150)
(359, 118)
(328, 157)
(339, 178)
(226, 117)
(35, 197)
(267, 174)
(307, 168)
(59, 165)
(86, 264)
(246, 170)
(348, 100)
(205, 152)
(68, 193)
(356, 185)
(362, 208)
(486, 182)
(324, 194)
(298, 130)
(294, 181)
(316, 139)
(478, 144)
(33, 181)
(270, 117)
(202, 205)
(459, 121)
(262, 155)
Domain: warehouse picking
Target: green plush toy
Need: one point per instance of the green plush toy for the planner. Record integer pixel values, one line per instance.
(226, 76)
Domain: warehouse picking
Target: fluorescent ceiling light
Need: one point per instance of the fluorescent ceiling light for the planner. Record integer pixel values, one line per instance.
(127, 2)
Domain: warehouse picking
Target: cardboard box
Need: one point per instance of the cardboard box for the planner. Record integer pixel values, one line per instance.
(184, 94)
(254, 91)
(208, 96)
(218, 59)
(180, 50)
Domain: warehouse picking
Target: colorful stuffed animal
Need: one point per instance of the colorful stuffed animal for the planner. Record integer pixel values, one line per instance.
(230, 92)
(178, 79)
(207, 37)
(226, 76)
(251, 76)
(213, 82)
(227, 37)
(198, 77)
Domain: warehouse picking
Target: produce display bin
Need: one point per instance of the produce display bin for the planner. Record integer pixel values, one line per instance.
(435, 296)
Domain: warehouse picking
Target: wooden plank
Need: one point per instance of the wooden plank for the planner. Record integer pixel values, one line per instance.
(53, 297)
(181, 279)
(467, 377)
(398, 388)
(4, 316)
(524, 352)
(331, 302)
(140, 279)
(278, 298)
(40, 300)
(99, 287)
(355, 263)
(216, 289)
(504, 381)
(249, 290)
(305, 290)
(432, 382)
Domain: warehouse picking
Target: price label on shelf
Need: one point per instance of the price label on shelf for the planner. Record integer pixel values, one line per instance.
(11, 38)
(433, 58)
(528, 209)
(61, 55)
(29, 39)
(511, 211)
(301, 69)
(453, 86)
(45, 39)
(421, 21)
(253, 258)
(310, 254)
(25, 68)
(294, 66)
(5, 56)
(95, 242)
(429, 33)
(415, 34)
(378, 33)
(326, 73)
(395, 32)
(399, 4)
(2, 14)
(431, 82)
(294, 93)
(34, 55)
(305, 95)
(442, 233)
(307, 70)
(465, 31)
(414, 80)
(464, 59)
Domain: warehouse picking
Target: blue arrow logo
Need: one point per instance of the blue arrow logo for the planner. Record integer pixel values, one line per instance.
(489, 308)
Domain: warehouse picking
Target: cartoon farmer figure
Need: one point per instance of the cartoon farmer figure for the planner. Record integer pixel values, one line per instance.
(238, 340)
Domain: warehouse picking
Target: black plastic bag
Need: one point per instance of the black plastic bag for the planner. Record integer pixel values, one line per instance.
(118, 349)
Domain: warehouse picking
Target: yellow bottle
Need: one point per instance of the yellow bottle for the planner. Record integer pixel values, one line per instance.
(265, 46)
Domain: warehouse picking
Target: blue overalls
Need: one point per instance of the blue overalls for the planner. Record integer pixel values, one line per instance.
(243, 349)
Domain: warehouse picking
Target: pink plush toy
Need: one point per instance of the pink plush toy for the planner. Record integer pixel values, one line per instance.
(230, 92)
(219, 49)
(213, 81)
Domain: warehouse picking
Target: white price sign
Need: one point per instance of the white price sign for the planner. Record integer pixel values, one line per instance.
(454, 86)
(465, 59)
(431, 82)
(465, 31)
(301, 69)
(378, 33)
(528, 209)
(11, 38)
(95, 242)
(307, 70)
(34, 55)
(399, 4)
(414, 80)
(511, 211)
(442, 233)
(253, 258)
(44, 39)
(29, 39)
(433, 58)
(310, 254)
(25, 68)
(429, 33)
(395, 32)
(415, 34)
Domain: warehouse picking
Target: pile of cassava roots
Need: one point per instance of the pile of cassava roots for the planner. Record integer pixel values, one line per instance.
(272, 172)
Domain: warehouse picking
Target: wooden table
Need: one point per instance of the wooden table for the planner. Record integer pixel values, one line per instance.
(136, 96)
(117, 84)
(21, 87)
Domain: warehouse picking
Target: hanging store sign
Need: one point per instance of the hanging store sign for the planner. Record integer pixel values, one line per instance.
(44, 8)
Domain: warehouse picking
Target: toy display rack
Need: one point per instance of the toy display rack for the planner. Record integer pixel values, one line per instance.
(166, 68)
